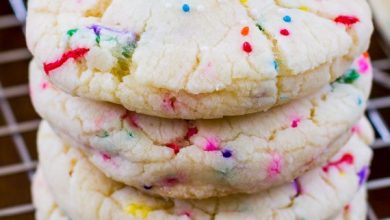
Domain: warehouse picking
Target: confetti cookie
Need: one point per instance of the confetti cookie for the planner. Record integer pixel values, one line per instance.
(204, 158)
(196, 59)
(47, 208)
(84, 192)
(381, 9)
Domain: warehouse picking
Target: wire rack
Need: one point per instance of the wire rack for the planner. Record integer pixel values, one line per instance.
(18, 122)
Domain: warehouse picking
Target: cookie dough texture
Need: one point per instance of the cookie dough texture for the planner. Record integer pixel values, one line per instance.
(47, 208)
(83, 192)
(204, 158)
(381, 10)
(197, 59)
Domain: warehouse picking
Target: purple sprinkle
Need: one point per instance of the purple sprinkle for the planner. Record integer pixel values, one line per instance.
(298, 187)
(227, 153)
(98, 28)
(148, 187)
(363, 173)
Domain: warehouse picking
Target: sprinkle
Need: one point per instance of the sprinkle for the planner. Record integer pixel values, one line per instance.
(131, 119)
(71, 32)
(362, 174)
(363, 65)
(170, 181)
(349, 77)
(298, 187)
(130, 134)
(275, 166)
(295, 122)
(247, 47)
(169, 102)
(356, 129)
(359, 100)
(212, 145)
(185, 8)
(259, 27)
(284, 32)
(191, 132)
(244, 1)
(245, 31)
(287, 19)
(106, 157)
(366, 55)
(186, 213)
(148, 187)
(346, 20)
(175, 147)
(276, 65)
(138, 210)
(226, 153)
(72, 54)
(304, 8)
(346, 158)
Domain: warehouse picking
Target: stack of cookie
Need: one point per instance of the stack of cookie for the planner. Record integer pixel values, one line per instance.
(200, 109)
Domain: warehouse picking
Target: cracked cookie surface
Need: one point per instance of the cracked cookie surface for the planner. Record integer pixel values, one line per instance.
(197, 59)
(83, 192)
(204, 158)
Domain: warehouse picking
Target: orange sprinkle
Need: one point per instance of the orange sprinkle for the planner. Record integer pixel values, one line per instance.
(245, 31)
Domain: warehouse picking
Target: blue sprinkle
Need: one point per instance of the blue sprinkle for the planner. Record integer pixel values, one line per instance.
(186, 8)
(359, 101)
(287, 18)
(147, 187)
(276, 65)
(227, 153)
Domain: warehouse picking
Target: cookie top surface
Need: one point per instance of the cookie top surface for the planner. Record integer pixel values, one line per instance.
(320, 193)
(204, 158)
(196, 59)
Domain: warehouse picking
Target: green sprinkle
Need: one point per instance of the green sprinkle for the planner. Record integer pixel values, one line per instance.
(97, 39)
(103, 134)
(259, 27)
(71, 32)
(128, 50)
(130, 134)
(350, 77)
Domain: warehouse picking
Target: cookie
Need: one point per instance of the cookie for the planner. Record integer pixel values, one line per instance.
(83, 192)
(381, 10)
(47, 209)
(198, 59)
(205, 158)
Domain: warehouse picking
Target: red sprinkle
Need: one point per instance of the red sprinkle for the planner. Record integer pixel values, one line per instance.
(295, 123)
(347, 158)
(191, 132)
(75, 54)
(247, 47)
(106, 157)
(245, 31)
(131, 118)
(346, 20)
(284, 32)
(170, 181)
(175, 147)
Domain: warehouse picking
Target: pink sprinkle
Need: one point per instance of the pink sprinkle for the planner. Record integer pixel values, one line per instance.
(106, 157)
(275, 166)
(356, 129)
(170, 181)
(186, 213)
(295, 122)
(346, 158)
(363, 65)
(169, 103)
(212, 145)
(131, 118)
(44, 85)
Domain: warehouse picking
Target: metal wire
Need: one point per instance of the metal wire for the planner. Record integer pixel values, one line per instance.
(14, 129)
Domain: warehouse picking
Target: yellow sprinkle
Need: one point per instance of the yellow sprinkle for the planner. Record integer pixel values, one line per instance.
(243, 1)
(342, 173)
(138, 210)
(304, 8)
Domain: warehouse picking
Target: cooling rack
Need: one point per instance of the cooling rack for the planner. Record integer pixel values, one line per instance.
(18, 121)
